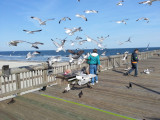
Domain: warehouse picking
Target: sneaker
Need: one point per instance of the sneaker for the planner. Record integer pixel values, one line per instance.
(97, 81)
(135, 75)
(92, 83)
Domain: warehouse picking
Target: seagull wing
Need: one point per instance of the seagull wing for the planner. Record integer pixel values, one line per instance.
(71, 51)
(38, 43)
(36, 30)
(80, 52)
(63, 41)
(36, 18)
(55, 43)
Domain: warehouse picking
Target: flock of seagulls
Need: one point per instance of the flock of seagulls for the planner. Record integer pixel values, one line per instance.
(71, 32)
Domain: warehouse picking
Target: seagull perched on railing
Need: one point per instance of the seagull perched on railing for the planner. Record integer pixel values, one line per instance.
(120, 3)
(31, 32)
(149, 2)
(125, 55)
(59, 46)
(143, 18)
(122, 21)
(81, 16)
(40, 21)
(90, 11)
(35, 44)
(15, 42)
(64, 19)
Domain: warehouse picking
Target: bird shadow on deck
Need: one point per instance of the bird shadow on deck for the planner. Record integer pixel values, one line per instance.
(148, 89)
(80, 87)
(153, 118)
(117, 71)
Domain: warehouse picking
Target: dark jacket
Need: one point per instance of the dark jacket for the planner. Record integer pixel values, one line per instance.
(134, 57)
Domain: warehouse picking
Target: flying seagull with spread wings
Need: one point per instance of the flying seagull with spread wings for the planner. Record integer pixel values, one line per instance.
(149, 2)
(59, 46)
(31, 32)
(15, 42)
(143, 18)
(35, 44)
(122, 21)
(40, 21)
(120, 3)
(81, 16)
(71, 32)
(29, 55)
(101, 39)
(90, 11)
(64, 19)
(77, 54)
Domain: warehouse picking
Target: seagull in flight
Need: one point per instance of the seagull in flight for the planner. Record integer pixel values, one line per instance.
(98, 44)
(40, 21)
(35, 44)
(129, 40)
(90, 11)
(29, 55)
(64, 19)
(148, 46)
(122, 21)
(103, 54)
(81, 16)
(59, 46)
(72, 43)
(82, 41)
(15, 42)
(143, 18)
(120, 43)
(71, 32)
(31, 32)
(53, 59)
(89, 39)
(101, 39)
(149, 2)
(120, 3)
(78, 38)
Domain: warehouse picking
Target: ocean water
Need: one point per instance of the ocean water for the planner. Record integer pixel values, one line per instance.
(45, 54)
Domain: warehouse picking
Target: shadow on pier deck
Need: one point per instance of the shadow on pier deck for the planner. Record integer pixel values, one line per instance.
(111, 94)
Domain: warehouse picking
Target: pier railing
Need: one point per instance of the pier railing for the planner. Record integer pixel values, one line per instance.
(24, 79)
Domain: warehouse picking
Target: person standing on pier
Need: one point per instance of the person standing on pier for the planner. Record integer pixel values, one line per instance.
(134, 63)
(94, 61)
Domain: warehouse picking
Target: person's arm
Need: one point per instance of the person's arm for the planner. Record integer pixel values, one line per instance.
(99, 63)
(136, 57)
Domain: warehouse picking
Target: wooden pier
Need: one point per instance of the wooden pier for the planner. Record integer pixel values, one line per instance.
(110, 99)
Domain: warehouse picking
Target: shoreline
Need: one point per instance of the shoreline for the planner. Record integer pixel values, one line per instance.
(14, 63)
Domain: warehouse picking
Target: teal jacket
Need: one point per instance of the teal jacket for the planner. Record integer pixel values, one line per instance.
(93, 59)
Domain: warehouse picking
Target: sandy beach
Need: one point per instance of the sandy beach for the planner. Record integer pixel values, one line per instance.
(13, 64)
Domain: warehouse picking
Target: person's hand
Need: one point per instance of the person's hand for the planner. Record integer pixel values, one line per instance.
(100, 66)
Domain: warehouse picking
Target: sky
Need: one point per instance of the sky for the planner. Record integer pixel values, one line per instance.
(15, 16)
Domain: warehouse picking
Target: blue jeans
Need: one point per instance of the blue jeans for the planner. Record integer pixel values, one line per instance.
(134, 67)
(93, 70)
